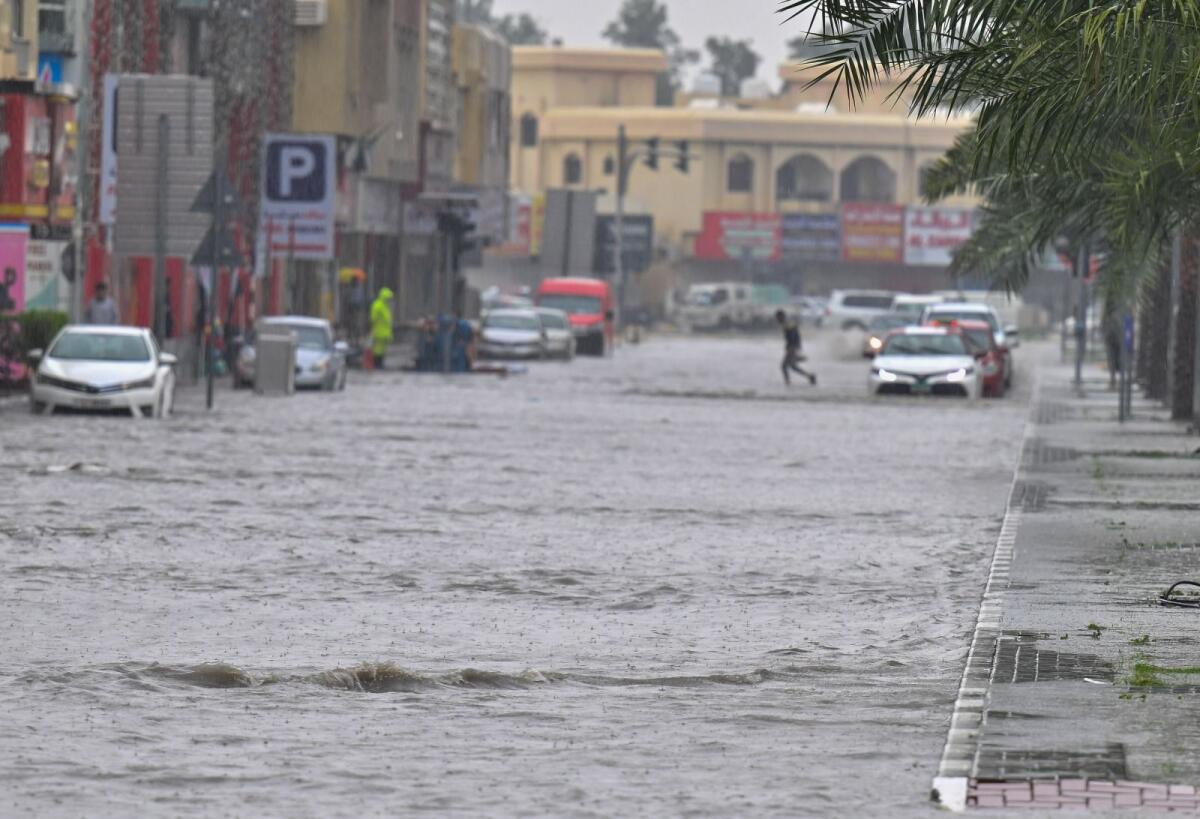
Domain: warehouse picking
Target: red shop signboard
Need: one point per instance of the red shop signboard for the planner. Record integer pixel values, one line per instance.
(733, 236)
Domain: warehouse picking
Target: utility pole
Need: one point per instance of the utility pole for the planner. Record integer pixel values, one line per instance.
(160, 230)
(623, 168)
(1082, 268)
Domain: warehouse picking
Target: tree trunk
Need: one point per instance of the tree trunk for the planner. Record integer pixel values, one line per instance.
(1184, 364)
(1155, 326)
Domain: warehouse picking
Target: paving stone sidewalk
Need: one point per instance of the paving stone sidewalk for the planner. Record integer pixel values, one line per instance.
(1081, 690)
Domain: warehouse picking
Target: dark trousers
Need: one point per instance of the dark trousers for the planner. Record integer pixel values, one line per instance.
(791, 364)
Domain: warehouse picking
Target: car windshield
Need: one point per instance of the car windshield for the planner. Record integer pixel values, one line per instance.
(100, 347)
(554, 321)
(572, 305)
(871, 302)
(885, 323)
(308, 337)
(925, 344)
(709, 298)
(979, 339)
(947, 316)
(512, 322)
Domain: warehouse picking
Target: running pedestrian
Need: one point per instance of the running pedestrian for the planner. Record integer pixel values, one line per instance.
(792, 355)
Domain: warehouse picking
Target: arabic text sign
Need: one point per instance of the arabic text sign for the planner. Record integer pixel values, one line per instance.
(730, 236)
(931, 235)
(873, 233)
(812, 236)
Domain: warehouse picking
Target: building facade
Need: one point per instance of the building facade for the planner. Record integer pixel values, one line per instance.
(483, 72)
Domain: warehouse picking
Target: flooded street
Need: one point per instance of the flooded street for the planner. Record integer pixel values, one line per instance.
(657, 584)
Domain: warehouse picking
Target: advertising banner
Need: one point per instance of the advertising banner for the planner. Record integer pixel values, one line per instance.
(730, 236)
(45, 287)
(13, 241)
(812, 236)
(637, 247)
(872, 233)
(537, 225)
(931, 235)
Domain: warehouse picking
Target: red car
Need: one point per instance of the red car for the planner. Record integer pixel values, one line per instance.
(589, 304)
(981, 339)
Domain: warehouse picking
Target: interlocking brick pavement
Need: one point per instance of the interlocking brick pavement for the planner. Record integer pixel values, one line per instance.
(1083, 794)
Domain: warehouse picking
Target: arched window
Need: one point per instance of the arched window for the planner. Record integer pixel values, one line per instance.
(868, 179)
(529, 130)
(610, 166)
(804, 178)
(740, 175)
(572, 170)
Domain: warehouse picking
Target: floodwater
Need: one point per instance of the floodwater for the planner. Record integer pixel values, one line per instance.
(657, 584)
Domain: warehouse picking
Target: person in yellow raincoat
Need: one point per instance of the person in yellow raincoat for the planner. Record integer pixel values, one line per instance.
(381, 325)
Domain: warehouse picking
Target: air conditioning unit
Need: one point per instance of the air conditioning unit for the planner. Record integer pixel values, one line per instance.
(312, 12)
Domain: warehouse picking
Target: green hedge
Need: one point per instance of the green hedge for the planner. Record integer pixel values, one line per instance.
(37, 328)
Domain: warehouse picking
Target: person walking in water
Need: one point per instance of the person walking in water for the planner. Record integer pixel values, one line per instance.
(381, 326)
(792, 355)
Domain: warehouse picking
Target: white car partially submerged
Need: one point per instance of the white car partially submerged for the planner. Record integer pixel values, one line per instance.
(103, 369)
(512, 333)
(560, 339)
(925, 361)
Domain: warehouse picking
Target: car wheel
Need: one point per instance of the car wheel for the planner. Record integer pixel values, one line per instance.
(341, 385)
(37, 407)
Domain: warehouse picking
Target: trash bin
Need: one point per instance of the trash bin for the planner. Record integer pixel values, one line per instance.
(275, 365)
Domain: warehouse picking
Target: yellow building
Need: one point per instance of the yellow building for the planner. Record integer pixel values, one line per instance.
(781, 153)
(18, 39)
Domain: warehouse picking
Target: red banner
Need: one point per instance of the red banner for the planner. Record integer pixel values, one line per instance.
(730, 236)
(873, 233)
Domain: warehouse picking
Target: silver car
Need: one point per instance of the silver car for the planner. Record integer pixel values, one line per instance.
(560, 339)
(512, 333)
(320, 361)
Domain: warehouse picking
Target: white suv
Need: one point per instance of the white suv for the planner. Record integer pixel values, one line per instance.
(854, 309)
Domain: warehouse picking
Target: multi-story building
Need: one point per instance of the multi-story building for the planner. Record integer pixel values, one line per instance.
(18, 39)
(776, 185)
(482, 71)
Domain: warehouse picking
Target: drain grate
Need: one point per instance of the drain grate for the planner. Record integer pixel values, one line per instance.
(1018, 660)
(1049, 413)
(1159, 547)
(1030, 496)
(1040, 453)
(1107, 762)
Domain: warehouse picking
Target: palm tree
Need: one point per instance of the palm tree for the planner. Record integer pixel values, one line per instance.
(1087, 121)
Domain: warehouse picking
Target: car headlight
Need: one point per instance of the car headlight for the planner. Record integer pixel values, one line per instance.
(875, 343)
(247, 354)
(884, 375)
(960, 374)
(51, 381)
(144, 384)
(321, 366)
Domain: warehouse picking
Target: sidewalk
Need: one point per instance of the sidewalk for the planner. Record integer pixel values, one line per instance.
(1081, 691)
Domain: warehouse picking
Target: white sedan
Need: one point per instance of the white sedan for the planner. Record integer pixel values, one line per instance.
(512, 333)
(103, 369)
(560, 339)
(925, 361)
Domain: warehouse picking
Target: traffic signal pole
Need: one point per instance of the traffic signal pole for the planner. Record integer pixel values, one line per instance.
(625, 161)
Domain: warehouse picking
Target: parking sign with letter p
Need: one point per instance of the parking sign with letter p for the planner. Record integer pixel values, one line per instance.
(299, 186)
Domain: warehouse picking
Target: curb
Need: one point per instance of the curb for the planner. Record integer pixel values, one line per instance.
(952, 782)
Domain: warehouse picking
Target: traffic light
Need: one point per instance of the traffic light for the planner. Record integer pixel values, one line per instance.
(652, 153)
(682, 162)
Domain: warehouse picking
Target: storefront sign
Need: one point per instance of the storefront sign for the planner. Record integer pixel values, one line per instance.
(931, 235)
(637, 249)
(728, 236)
(45, 289)
(13, 239)
(812, 236)
(873, 233)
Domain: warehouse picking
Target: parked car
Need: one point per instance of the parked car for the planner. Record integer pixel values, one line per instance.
(878, 330)
(925, 361)
(854, 309)
(1007, 338)
(512, 333)
(990, 355)
(560, 340)
(320, 361)
(103, 369)
(810, 309)
(590, 305)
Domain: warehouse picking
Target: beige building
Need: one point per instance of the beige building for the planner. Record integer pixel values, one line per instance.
(18, 39)
(776, 154)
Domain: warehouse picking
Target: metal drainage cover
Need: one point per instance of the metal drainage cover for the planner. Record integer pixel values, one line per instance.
(1018, 660)
(1107, 762)
(1039, 453)
(1030, 496)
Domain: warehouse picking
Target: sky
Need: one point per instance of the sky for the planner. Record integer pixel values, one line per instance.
(580, 24)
